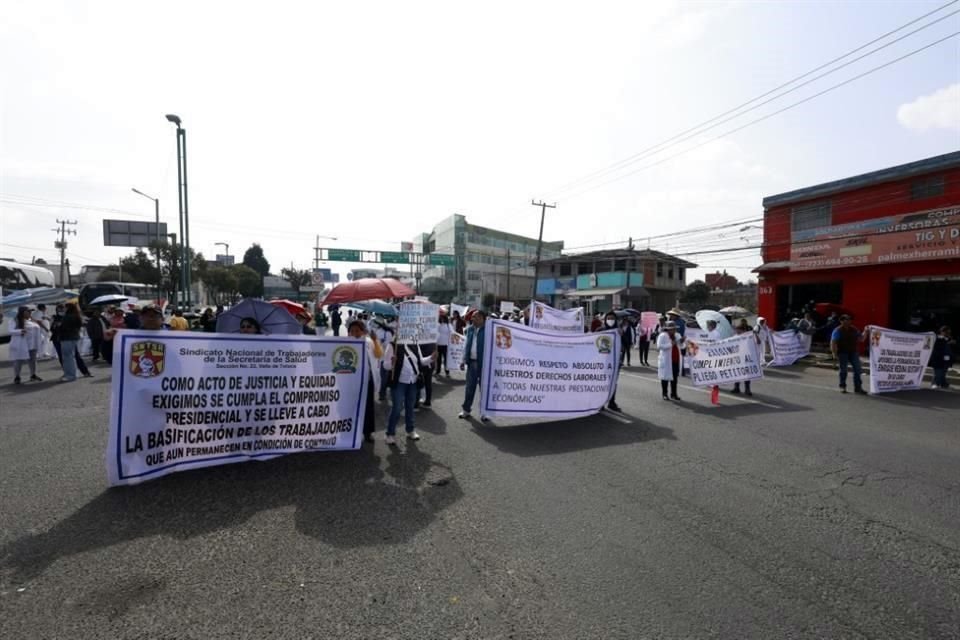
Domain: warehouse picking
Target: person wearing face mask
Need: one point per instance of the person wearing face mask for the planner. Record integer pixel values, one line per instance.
(610, 322)
(383, 330)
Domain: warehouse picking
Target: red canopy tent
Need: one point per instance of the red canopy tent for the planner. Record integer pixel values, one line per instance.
(368, 289)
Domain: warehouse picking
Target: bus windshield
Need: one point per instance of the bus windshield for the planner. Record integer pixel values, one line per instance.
(15, 276)
(133, 290)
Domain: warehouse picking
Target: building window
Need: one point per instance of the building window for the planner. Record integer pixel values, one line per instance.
(620, 265)
(565, 269)
(811, 216)
(670, 272)
(583, 268)
(926, 188)
(659, 269)
(681, 274)
(473, 275)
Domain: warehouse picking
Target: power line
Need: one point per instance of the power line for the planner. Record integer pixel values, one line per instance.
(699, 128)
(768, 116)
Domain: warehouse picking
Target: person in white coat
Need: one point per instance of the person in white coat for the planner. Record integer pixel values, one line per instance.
(669, 345)
(25, 338)
(373, 353)
(44, 322)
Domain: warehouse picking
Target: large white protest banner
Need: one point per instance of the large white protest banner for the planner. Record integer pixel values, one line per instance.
(898, 359)
(788, 346)
(186, 401)
(733, 359)
(545, 317)
(419, 323)
(534, 373)
(455, 350)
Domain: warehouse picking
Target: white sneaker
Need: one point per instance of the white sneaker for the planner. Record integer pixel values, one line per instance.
(933, 386)
(464, 415)
(390, 440)
(413, 435)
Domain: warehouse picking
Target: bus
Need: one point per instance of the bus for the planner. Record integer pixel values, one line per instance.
(15, 276)
(133, 290)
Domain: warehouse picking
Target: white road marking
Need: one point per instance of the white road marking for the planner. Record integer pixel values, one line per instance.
(707, 390)
(616, 416)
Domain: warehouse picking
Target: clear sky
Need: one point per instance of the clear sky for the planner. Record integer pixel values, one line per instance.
(372, 121)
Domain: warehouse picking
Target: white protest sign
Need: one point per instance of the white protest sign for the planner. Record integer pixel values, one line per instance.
(898, 359)
(419, 323)
(181, 402)
(788, 346)
(545, 317)
(506, 307)
(534, 373)
(697, 335)
(733, 359)
(455, 350)
(459, 308)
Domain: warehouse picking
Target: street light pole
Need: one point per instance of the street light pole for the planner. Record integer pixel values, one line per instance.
(184, 208)
(156, 205)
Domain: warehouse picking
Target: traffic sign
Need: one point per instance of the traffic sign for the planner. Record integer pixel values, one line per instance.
(394, 257)
(442, 260)
(343, 255)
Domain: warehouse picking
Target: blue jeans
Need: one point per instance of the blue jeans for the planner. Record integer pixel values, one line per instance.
(853, 360)
(404, 397)
(69, 349)
(473, 381)
(940, 378)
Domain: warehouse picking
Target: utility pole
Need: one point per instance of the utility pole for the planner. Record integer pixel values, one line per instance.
(62, 245)
(536, 270)
(626, 298)
(508, 276)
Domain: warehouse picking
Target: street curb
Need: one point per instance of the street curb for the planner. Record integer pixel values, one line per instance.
(827, 362)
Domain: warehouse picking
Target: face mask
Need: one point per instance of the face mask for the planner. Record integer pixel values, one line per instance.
(611, 323)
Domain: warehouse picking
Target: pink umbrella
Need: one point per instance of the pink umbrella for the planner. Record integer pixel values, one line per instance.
(368, 289)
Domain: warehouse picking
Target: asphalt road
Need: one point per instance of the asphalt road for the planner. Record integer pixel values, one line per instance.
(799, 513)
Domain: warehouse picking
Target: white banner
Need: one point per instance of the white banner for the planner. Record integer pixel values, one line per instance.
(898, 359)
(506, 307)
(458, 343)
(545, 317)
(181, 402)
(787, 346)
(733, 359)
(697, 335)
(534, 373)
(419, 323)
(459, 308)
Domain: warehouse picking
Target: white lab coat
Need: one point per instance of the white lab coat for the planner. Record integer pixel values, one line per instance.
(443, 334)
(665, 362)
(22, 345)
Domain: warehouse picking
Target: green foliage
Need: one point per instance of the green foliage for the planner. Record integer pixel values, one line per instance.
(254, 259)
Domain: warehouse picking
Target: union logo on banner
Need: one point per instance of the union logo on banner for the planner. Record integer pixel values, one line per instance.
(539, 312)
(146, 359)
(604, 344)
(503, 338)
(692, 348)
(345, 360)
(875, 338)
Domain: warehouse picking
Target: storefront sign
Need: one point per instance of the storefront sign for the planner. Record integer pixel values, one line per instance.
(733, 359)
(897, 359)
(184, 402)
(925, 235)
(533, 373)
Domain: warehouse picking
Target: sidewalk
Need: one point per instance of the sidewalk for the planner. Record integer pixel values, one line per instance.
(826, 361)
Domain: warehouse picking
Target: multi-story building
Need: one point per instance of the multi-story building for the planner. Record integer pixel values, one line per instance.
(884, 245)
(644, 280)
(488, 261)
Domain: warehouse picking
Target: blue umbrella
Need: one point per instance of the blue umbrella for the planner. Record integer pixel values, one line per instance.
(376, 306)
(723, 325)
(272, 319)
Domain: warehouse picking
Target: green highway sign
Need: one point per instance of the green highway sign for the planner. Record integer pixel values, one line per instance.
(442, 260)
(343, 255)
(394, 257)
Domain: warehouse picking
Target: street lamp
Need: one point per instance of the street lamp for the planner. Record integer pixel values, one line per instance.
(184, 208)
(156, 204)
(226, 246)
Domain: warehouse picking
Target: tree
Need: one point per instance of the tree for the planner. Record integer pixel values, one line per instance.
(254, 259)
(249, 282)
(140, 267)
(697, 292)
(222, 282)
(297, 278)
(488, 301)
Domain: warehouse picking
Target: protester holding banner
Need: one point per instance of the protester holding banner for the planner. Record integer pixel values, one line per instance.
(358, 329)
(473, 356)
(443, 341)
(743, 328)
(426, 353)
(406, 371)
(942, 357)
(763, 335)
(844, 345)
(627, 333)
(610, 322)
(669, 344)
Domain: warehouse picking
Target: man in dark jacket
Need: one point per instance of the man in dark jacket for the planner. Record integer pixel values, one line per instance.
(473, 362)
(844, 343)
(95, 331)
(941, 359)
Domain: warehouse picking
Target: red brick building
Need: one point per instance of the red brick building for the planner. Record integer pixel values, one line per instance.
(721, 281)
(885, 245)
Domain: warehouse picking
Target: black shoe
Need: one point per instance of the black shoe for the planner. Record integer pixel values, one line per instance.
(843, 389)
(748, 393)
(36, 379)
(16, 381)
(368, 437)
(613, 406)
(425, 405)
(674, 397)
(860, 391)
(88, 375)
(666, 397)
(735, 390)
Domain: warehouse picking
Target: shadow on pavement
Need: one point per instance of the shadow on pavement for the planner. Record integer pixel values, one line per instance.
(926, 398)
(730, 409)
(345, 499)
(549, 438)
